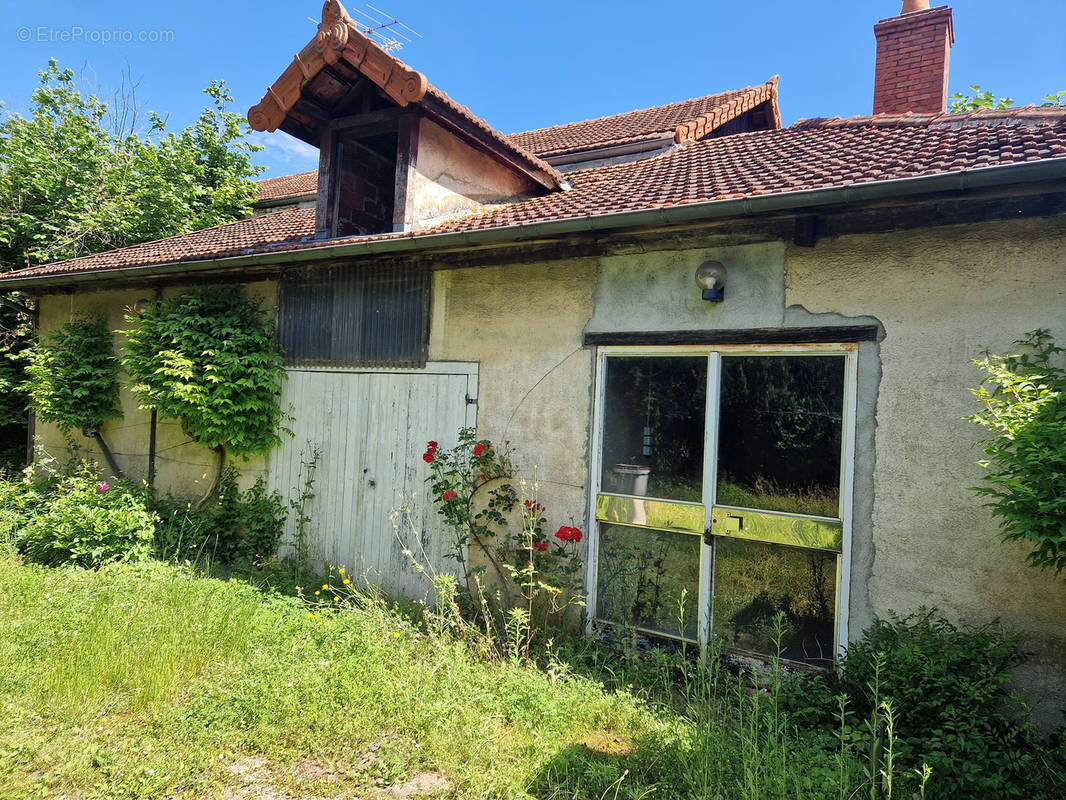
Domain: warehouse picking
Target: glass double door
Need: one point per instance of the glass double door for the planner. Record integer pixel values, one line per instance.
(719, 505)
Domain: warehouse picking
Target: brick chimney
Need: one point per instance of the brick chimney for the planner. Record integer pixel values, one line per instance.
(912, 60)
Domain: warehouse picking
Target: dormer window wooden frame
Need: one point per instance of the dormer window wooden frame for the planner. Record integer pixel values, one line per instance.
(342, 93)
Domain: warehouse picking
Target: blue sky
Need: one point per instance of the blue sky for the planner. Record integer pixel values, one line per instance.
(527, 65)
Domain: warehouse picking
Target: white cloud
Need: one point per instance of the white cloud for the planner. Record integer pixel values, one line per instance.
(283, 154)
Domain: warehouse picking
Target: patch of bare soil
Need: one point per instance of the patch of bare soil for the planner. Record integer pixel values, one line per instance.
(257, 779)
(424, 784)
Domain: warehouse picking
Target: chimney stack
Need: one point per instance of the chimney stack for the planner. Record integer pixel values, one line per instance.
(912, 60)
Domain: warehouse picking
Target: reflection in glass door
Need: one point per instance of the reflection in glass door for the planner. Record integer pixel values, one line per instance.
(651, 508)
(726, 520)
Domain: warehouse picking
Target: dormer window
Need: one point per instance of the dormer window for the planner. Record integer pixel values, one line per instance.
(364, 183)
(395, 154)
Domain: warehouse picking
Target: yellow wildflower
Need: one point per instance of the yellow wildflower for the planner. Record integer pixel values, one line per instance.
(317, 592)
(346, 581)
(325, 585)
(341, 570)
(336, 599)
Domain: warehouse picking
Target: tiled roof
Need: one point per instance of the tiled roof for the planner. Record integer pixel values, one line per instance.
(684, 121)
(233, 238)
(812, 154)
(302, 183)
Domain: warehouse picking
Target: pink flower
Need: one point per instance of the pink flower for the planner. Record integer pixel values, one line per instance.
(102, 487)
(479, 449)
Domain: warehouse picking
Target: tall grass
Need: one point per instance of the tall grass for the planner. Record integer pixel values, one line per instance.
(147, 681)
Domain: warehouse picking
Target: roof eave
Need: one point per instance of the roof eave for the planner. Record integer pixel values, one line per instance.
(1045, 170)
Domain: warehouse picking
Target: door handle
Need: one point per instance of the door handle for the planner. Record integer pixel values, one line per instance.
(730, 523)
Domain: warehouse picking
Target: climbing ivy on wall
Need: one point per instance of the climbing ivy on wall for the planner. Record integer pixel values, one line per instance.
(1023, 402)
(73, 379)
(210, 360)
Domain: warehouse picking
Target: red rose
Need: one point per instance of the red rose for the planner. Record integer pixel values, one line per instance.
(479, 449)
(568, 534)
(431, 446)
(428, 456)
(542, 546)
(482, 478)
(448, 496)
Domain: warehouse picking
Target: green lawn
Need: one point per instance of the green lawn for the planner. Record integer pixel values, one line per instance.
(145, 680)
(142, 681)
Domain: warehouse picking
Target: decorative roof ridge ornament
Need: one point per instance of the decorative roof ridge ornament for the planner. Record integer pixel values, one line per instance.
(338, 37)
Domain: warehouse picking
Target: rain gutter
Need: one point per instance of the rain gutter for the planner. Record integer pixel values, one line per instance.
(1052, 169)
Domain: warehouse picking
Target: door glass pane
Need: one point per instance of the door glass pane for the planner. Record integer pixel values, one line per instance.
(653, 427)
(779, 433)
(753, 582)
(649, 579)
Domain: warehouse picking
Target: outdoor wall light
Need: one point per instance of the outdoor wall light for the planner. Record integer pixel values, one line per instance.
(710, 277)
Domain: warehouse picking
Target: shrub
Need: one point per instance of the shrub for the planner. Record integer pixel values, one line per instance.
(210, 360)
(232, 526)
(470, 486)
(73, 380)
(75, 519)
(949, 688)
(74, 376)
(1024, 410)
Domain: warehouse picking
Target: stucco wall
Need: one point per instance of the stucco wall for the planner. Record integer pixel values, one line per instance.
(524, 324)
(944, 295)
(451, 176)
(182, 466)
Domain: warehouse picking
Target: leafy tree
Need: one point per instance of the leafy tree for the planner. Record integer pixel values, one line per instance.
(71, 186)
(210, 360)
(76, 178)
(979, 98)
(73, 380)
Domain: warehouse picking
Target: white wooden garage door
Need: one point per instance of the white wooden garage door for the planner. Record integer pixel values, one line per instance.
(371, 428)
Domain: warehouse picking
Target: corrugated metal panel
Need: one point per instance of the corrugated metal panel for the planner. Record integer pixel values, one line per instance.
(373, 316)
(371, 429)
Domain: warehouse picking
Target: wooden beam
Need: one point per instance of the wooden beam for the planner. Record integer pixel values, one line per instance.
(806, 233)
(327, 184)
(406, 163)
(828, 334)
(300, 131)
(350, 101)
(372, 120)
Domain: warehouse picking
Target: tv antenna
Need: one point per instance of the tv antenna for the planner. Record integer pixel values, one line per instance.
(387, 32)
(383, 29)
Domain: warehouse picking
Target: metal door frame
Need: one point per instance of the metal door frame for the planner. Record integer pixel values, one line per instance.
(714, 353)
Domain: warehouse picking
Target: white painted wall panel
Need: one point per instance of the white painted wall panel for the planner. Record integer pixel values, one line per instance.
(371, 429)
